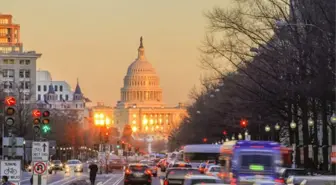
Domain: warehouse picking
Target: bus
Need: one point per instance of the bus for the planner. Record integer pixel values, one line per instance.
(250, 161)
(199, 153)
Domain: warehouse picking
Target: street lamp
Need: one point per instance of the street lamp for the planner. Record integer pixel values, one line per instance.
(310, 122)
(217, 90)
(240, 136)
(292, 125)
(277, 127)
(198, 112)
(212, 96)
(267, 128)
(333, 118)
(233, 138)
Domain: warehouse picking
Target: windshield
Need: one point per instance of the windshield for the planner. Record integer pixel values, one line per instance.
(200, 157)
(73, 162)
(256, 162)
(56, 162)
(215, 169)
(138, 168)
(182, 172)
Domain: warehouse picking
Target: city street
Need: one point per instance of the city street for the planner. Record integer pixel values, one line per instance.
(61, 178)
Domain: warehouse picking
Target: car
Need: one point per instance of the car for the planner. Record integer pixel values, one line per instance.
(75, 165)
(284, 173)
(117, 164)
(137, 174)
(56, 165)
(200, 179)
(212, 170)
(50, 169)
(151, 165)
(176, 176)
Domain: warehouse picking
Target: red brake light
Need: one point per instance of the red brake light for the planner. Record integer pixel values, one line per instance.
(128, 171)
(233, 181)
(279, 180)
(171, 173)
(148, 172)
(165, 182)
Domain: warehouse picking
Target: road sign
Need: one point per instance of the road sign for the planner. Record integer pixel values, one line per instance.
(40, 168)
(40, 151)
(12, 169)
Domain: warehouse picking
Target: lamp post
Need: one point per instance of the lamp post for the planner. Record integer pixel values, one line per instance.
(24, 154)
(240, 136)
(277, 129)
(293, 127)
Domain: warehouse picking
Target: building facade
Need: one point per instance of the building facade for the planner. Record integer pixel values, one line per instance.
(141, 105)
(57, 94)
(17, 67)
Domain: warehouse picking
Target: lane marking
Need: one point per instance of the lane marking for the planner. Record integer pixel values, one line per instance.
(59, 181)
(24, 180)
(116, 182)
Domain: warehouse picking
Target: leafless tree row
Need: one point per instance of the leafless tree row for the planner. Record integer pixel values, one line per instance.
(273, 62)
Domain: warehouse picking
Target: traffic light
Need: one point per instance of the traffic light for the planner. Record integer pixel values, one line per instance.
(243, 123)
(224, 133)
(123, 145)
(137, 150)
(205, 140)
(118, 144)
(10, 103)
(45, 121)
(36, 120)
(106, 137)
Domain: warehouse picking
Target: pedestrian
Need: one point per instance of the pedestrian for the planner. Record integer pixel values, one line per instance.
(93, 172)
(5, 181)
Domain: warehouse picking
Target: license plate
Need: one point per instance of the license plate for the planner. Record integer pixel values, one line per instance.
(138, 174)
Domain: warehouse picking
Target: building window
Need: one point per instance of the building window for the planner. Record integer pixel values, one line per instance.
(22, 62)
(66, 97)
(61, 88)
(21, 73)
(27, 85)
(38, 97)
(44, 88)
(27, 73)
(56, 88)
(8, 85)
(61, 97)
(27, 62)
(21, 85)
(8, 73)
(39, 88)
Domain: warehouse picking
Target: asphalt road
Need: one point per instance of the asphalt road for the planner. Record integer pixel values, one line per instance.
(61, 178)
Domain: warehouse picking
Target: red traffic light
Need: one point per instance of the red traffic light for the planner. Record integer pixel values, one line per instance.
(10, 101)
(205, 140)
(224, 133)
(243, 123)
(36, 113)
(46, 114)
(106, 133)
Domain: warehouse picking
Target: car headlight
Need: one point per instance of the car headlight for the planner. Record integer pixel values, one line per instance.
(52, 165)
(79, 166)
(61, 165)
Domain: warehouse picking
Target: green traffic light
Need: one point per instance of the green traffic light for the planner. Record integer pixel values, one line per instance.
(46, 128)
(118, 146)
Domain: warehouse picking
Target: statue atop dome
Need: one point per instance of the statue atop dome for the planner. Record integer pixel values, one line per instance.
(141, 43)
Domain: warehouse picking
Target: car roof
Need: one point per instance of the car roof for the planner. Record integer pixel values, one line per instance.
(137, 164)
(212, 166)
(74, 160)
(201, 177)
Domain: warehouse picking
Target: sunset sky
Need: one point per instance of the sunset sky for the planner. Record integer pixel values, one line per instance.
(95, 41)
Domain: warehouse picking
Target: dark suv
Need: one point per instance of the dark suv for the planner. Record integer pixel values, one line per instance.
(137, 174)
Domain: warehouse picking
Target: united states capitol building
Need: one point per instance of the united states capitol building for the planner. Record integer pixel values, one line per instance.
(141, 105)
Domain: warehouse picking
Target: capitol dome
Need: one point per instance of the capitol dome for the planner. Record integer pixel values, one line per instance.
(141, 83)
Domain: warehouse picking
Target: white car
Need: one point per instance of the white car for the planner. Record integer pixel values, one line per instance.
(213, 170)
(201, 179)
(75, 165)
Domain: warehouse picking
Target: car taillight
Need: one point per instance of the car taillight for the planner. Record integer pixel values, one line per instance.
(165, 182)
(148, 172)
(279, 180)
(128, 171)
